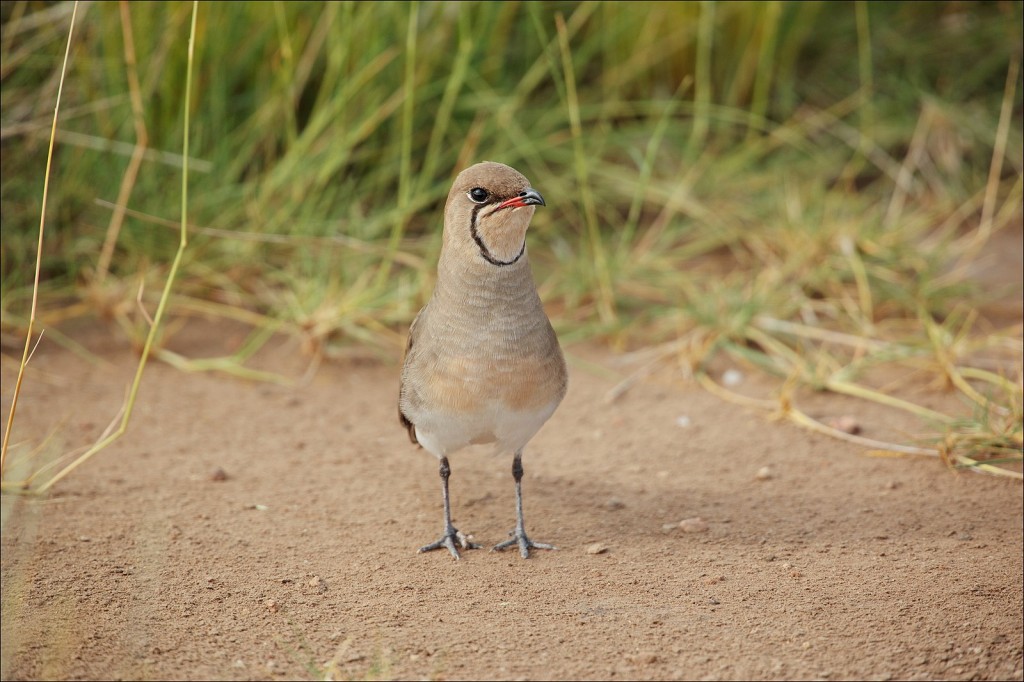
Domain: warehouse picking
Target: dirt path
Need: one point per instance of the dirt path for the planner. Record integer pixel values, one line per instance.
(299, 561)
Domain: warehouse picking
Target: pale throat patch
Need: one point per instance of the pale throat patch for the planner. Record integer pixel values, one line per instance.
(501, 235)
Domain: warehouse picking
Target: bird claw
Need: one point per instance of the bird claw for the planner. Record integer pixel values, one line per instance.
(448, 540)
(525, 544)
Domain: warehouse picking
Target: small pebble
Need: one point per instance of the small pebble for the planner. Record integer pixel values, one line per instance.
(764, 474)
(844, 423)
(318, 584)
(732, 377)
(614, 504)
(597, 548)
(694, 525)
(713, 601)
(683, 422)
(668, 527)
(219, 475)
(271, 605)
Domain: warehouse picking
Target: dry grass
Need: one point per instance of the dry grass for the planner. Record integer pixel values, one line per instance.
(796, 187)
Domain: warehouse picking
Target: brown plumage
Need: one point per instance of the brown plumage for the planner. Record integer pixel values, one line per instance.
(483, 364)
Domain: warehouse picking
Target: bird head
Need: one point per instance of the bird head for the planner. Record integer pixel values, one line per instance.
(488, 212)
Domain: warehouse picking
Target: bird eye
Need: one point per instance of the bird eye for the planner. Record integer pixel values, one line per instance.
(477, 195)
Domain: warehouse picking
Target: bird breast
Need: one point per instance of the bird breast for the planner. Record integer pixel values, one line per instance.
(499, 372)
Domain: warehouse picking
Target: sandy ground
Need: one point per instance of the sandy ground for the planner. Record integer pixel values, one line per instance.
(245, 530)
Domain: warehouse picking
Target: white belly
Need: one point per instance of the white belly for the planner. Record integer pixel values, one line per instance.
(443, 433)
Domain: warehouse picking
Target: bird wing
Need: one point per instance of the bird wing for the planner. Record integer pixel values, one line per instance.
(406, 423)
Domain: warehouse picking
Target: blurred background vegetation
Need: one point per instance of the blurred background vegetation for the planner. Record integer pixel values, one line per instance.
(802, 186)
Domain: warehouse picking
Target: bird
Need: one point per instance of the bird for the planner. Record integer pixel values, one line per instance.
(482, 363)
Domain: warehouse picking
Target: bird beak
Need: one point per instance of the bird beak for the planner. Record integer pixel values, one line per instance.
(528, 197)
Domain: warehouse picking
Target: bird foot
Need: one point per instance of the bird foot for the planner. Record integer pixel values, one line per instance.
(451, 537)
(525, 544)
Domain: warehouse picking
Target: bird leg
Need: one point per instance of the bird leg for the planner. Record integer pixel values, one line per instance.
(451, 534)
(518, 536)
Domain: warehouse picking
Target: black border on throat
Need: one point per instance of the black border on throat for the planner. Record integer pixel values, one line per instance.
(484, 251)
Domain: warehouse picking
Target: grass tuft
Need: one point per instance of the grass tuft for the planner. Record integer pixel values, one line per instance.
(806, 188)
